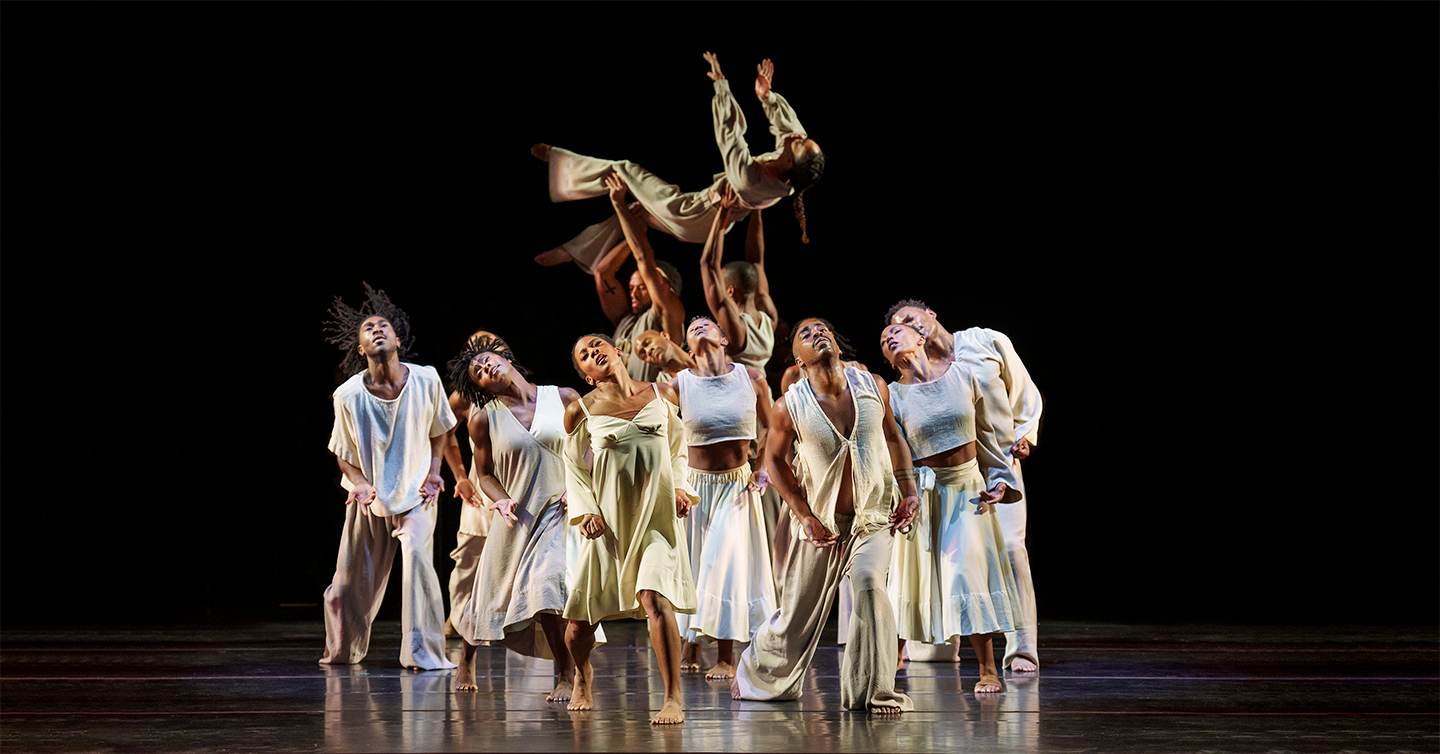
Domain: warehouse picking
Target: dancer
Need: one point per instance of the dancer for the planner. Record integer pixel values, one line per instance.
(653, 347)
(950, 577)
(474, 513)
(729, 553)
(738, 293)
(629, 505)
(796, 164)
(516, 429)
(391, 418)
(1015, 406)
(849, 447)
(653, 302)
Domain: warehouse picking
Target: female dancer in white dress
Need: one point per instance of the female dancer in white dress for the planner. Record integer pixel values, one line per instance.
(950, 577)
(519, 589)
(628, 504)
(720, 402)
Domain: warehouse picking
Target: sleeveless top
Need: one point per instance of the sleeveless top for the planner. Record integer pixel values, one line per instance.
(939, 415)
(822, 451)
(716, 409)
(529, 462)
(625, 334)
(759, 341)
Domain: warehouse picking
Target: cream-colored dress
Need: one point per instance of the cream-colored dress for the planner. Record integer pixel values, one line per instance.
(638, 465)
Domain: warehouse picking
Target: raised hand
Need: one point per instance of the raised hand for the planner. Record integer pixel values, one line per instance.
(507, 511)
(765, 73)
(616, 184)
(728, 197)
(714, 74)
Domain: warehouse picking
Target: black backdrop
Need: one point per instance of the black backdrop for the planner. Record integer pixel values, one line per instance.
(1210, 230)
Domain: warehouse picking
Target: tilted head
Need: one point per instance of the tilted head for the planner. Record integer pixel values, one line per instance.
(702, 330)
(640, 295)
(484, 368)
(898, 340)
(913, 312)
(651, 346)
(596, 359)
(741, 280)
(375, 330)
(807, 163)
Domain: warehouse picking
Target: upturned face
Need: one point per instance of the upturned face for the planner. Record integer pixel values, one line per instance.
(795, 148)
(811, 341)
(701, 332)
(650, 347)
(639, 294)
(377, 337)
(921, 319)
(490, 371)
(898, 340)
(598, 360)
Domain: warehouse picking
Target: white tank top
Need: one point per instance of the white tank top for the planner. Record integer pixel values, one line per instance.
(716, 409)
(822, 451)
(939, 415)
(759, 341)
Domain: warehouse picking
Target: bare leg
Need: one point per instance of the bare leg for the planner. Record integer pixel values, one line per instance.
(725, 663)
(900, 657)
(579, 640)
(690, 660)
(541, 152)
(465, 674)
(985, 652)
(554, 627)
(665, 640)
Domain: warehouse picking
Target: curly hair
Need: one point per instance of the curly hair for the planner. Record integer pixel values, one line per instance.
(460, 379)
(847, 351)
(904, 303)
(686, 345)
(575, 363)
(343, 328)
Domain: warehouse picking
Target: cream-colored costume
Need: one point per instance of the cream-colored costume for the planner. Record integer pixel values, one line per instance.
(759, 341)
(684, 215)
(729, 552)
(389, 441)
(627, 331)
(638, 465)
(773, 667)
(1014, 406)
(469, 544)
(950, 576)
(522, 571)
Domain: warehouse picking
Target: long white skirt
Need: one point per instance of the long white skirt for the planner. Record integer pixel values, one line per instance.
(951, 577)
(734, 582)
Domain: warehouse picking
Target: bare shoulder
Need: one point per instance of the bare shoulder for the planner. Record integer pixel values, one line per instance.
(755, 374)
(575, 414)
(569, 395)
(459, 405)
(666, 390)
(478, 423)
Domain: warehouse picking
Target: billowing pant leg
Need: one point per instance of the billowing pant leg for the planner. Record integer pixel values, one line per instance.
(422, 609)
(773, 667)
(1023, 641)
(867, 674)
(353, 598)
(462, 580)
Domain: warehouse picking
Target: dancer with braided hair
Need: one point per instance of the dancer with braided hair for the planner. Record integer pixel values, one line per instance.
(761, 181)
(516, 428)
(391, 419)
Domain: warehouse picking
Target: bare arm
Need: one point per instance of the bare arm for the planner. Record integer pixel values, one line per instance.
(762, 405)
(900, 461)
(614, 299)
(723, 308)
(672, 312)
(755, 254)
(781, 436)
(361, 492)
(464, 488)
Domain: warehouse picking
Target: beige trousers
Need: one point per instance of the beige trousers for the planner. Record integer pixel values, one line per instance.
(462, 580)
(1023, 641)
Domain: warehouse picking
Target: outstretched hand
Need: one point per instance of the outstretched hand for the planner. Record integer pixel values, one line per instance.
(765, 73)
(714, 74)
(987, 500)
(616, 184)
(507, 511)
(363, 494)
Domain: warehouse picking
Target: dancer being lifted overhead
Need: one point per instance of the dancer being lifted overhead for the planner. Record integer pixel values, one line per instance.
(795, 165)
(518, 436)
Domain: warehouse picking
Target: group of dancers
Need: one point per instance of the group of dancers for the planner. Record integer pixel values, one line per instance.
(658, 493)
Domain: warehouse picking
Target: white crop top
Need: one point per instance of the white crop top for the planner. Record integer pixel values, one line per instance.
(716, 409)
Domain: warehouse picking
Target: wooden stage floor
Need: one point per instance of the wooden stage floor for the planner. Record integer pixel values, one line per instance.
(1101, 688)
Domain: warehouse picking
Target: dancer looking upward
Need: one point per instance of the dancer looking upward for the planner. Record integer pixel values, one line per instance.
(474, 513)
(720, 401)
(628, 504)
(849, 448)
(1015, 407)
(950, 577)
(391, 418)
(795, 165)
(738, 293)
(653, 301)
(518, 435)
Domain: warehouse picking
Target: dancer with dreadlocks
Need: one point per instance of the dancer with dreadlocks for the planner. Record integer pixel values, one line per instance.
(849, 448)
(391, 418)
(1015, 406)
(794, 166)
(628, 505)
(474, 509)
(517, 431)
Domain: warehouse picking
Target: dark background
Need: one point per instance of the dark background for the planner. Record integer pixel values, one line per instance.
(1209, 229)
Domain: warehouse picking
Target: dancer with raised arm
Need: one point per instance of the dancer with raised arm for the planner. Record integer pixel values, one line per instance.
(795, 165)
(628, 504)
(653, 302)
(1015, 407)
(391, 419)
(474, 513)
(843, 523)
(518, 433)
(950, 577)
(738, 293)
(725, 407)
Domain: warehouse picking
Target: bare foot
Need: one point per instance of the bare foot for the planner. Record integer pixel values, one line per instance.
(989, 684)
(886, 711)
(561, 693)
(553, 258)
(720, 672)
(690, 659)
(1022, 665)
(580, 694)
(465, 677)
(541, 152)
(670, 714)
